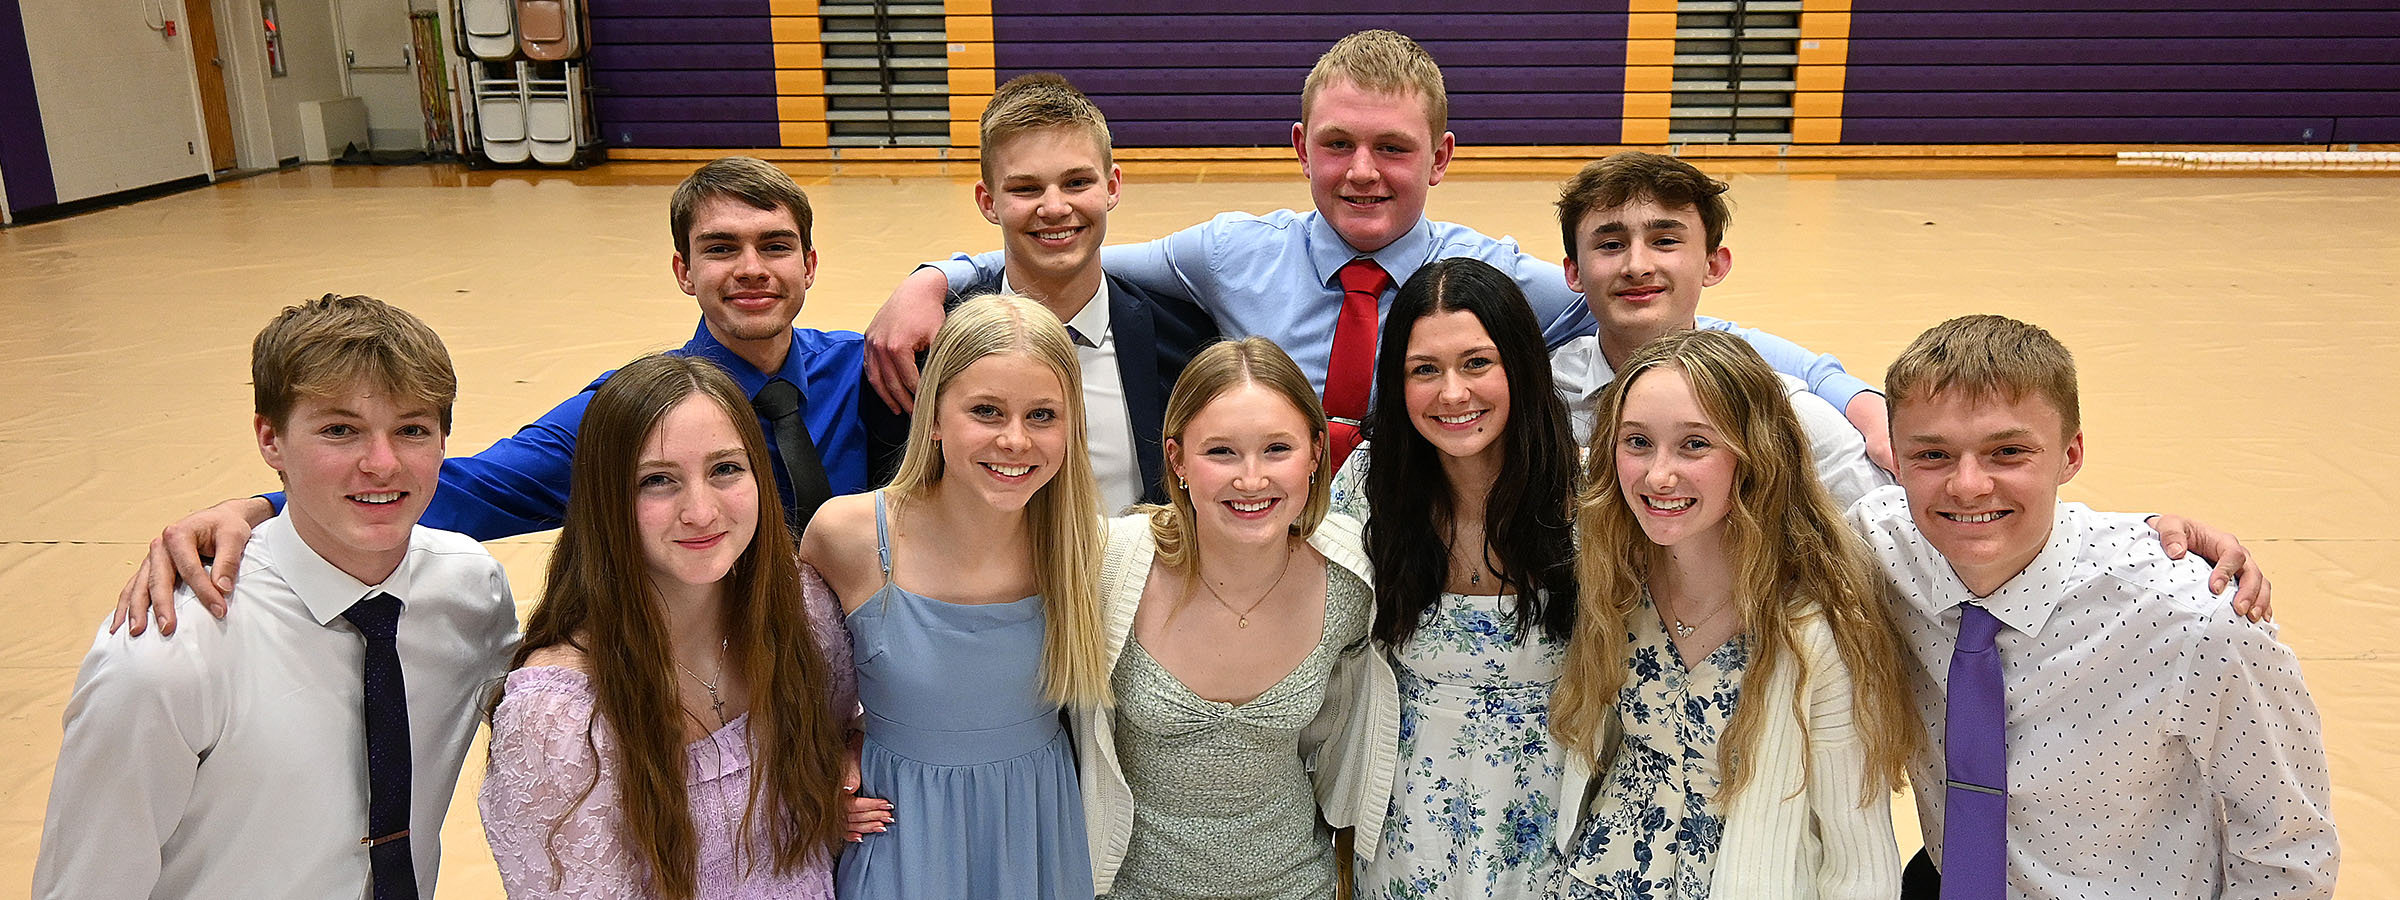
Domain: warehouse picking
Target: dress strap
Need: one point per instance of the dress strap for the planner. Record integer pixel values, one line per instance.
(883, 540)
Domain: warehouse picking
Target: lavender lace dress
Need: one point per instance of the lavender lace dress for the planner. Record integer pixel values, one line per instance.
(551, 768)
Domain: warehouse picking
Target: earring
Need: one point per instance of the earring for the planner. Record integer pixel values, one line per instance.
(1182, 485)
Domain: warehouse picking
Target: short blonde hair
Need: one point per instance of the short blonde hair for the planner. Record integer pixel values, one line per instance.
(1064, 516)
(324, 346)
(1212, 373)
(1385, 62)
(1037, 102)
(1987, 357)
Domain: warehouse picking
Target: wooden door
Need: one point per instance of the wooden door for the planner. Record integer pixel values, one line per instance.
(209, 61)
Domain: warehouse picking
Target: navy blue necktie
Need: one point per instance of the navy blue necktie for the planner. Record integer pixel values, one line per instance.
(781, 404)
(394, 872)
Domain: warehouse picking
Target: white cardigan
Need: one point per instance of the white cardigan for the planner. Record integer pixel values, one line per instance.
(1350, 750)
(1790, 836)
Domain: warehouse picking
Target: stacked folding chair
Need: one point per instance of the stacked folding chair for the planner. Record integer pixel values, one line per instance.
(527, 99)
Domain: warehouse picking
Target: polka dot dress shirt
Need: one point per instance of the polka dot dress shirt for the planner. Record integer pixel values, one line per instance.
(2159, 745)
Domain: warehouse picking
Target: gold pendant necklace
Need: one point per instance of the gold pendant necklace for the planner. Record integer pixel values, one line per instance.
(1242, 616)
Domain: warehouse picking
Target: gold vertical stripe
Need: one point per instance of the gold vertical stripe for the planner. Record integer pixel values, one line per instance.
(968, 27)
(1649, 71)
(1824, 72)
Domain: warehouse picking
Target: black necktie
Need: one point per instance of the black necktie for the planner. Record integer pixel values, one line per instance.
(780, 403)
(394, 872)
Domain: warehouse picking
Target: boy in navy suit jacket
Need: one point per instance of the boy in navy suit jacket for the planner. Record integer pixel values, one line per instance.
(1049, 181)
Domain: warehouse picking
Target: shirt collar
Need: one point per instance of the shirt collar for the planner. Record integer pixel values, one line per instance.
(1092, 322)
(1328, 253)
(2026, 601)
(706, 346)
(326, 590)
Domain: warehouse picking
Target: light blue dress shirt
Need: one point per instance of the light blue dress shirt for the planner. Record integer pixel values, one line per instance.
(1274, 276)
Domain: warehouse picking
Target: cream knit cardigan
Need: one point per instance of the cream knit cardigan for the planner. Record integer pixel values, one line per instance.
(1789, 834)
(1350, 750)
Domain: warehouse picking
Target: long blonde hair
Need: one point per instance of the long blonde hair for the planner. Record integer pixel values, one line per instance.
(1213, 372)
(1793, 557)
(599, 599)
(1063, 517)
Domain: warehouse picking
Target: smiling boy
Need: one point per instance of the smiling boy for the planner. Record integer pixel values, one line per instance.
(1049, 182)
(1373, 140)
(308, 747)
(2101, 725)
(742, 250)
(1644, 235)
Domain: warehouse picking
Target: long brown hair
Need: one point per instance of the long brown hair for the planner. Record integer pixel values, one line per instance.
(1063, 517)
(1793, 558)
(599, 599)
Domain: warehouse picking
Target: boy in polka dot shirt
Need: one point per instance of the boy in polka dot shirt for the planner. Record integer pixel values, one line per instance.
(2155, 743)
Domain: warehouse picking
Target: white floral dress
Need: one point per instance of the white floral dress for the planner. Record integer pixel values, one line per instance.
(1655, 826)
(1474, 803)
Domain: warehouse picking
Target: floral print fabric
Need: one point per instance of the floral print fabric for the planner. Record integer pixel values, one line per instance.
(1655, 826)
(1474, 803)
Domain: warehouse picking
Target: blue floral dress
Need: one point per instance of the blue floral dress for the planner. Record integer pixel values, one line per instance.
(1474, 802)
(1655, 826)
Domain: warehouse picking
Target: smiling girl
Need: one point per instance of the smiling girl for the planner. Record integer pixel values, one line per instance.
(1250, 717)
(672, 726)
(968, 589)
(1733, 673)
(1470, 480)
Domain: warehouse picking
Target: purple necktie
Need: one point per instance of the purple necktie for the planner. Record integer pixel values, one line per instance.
(1975, 746)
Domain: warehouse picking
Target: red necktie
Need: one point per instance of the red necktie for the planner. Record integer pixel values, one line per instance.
(1350, 373)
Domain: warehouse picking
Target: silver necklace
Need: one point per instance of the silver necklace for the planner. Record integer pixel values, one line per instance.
(714, 699)
(1684, 631)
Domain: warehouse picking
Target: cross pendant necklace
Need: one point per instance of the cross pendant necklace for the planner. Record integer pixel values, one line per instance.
(714, 699)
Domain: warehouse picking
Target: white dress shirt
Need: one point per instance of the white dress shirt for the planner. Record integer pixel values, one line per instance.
(229, 760)
(1839, 451)
(2159, 745)
(1108, 421)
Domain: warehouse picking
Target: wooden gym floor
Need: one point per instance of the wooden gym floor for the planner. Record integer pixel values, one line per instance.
(2237, 332)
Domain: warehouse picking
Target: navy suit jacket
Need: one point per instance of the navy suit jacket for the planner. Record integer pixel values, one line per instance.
(1155, 336)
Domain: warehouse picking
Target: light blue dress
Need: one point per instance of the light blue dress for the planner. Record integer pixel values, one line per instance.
(1655, 825)
(977, 764)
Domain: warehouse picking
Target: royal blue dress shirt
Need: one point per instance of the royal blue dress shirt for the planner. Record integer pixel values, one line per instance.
(519, 485)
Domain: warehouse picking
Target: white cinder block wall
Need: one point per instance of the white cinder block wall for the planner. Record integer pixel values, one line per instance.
(116, 96)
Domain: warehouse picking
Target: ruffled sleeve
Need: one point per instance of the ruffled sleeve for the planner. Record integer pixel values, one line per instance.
(833, 640)
(548, 802)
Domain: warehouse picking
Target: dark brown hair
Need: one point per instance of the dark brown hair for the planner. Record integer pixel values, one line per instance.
(1633, 176)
